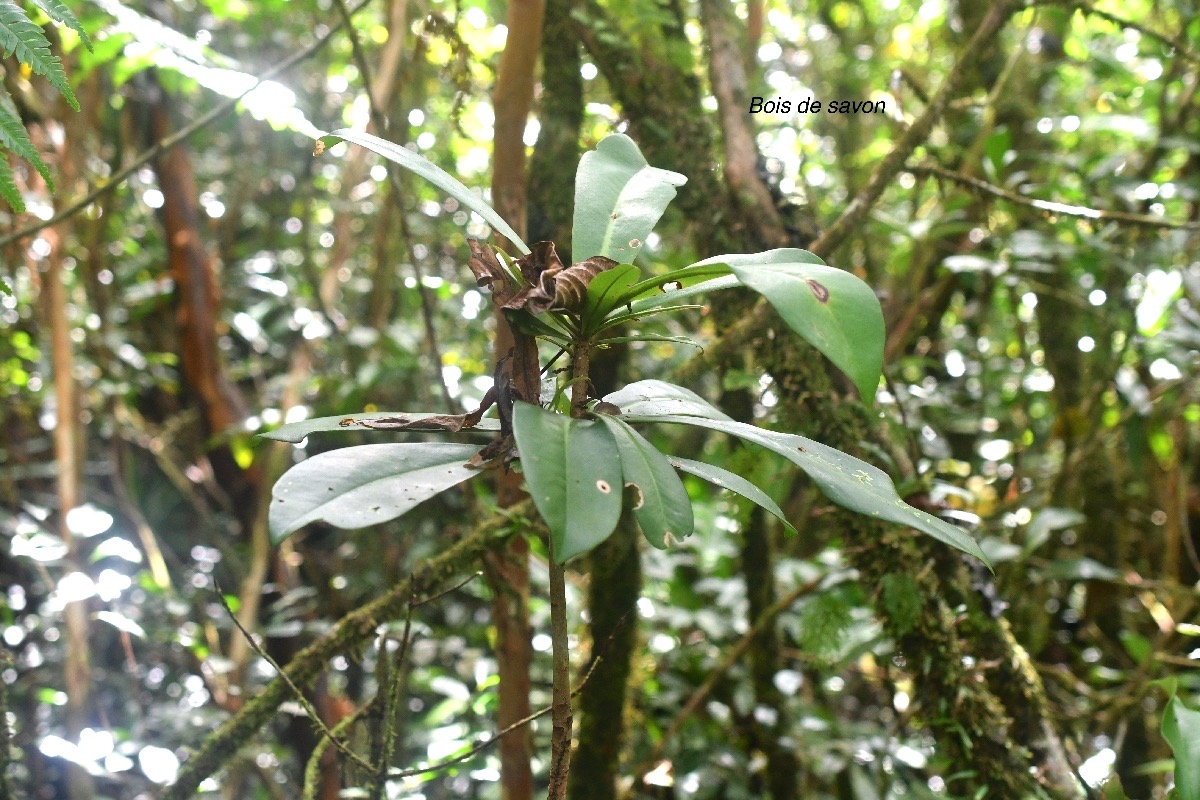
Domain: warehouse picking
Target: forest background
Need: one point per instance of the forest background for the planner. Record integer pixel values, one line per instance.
(1027, 208)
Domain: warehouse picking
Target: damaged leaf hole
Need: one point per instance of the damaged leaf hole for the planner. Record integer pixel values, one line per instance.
(641, 496)
(671, 286)
(603, 486)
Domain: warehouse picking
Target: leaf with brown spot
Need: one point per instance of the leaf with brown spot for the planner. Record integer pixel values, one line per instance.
(662, 504)
(818, 289)
(564, 461)
(830, 308)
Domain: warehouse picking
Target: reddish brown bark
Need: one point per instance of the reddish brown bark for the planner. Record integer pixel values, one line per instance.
(195, 283)
(508, 567)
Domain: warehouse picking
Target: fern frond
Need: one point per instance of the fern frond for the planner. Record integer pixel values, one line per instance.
(14, 137)
(57, 11)
(19, 35)
(8, 186)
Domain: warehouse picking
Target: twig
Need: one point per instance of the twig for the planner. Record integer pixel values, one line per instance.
(389, 681)
(6, 661)
(560, 736)
(1050, 207)
(218, 111)
(309, 708)
(312, 770)
(451, 590)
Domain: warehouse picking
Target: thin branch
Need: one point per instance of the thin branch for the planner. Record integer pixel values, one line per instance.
(312, 770)
(220, 110)
(451, 590)
(1050, 207)
(309, 708)
(388, 675)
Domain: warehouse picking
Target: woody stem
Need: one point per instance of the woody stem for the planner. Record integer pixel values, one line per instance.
(560, 742)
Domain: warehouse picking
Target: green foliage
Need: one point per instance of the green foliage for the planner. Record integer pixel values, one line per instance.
(57, 11)
(1181, 729)
(20, 36)
(901, 600)
(846, 480)
(359, 486)
(661, 506)
(574, 467)
(619, 198)
(734, 483)
(823, 621)
(573, 470)
(830, 308)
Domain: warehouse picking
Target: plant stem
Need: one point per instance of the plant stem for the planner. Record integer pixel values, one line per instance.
(560, 740)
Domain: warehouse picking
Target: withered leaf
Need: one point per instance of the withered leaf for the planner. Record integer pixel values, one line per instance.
(490, 275)
(556, 286)
(550, 284)
(496, 453)
(441, 422)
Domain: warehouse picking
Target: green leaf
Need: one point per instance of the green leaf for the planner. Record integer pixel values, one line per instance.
(1048, 520)
(58, 12)
(604, 293)
(358, 486)
(734, 483)
(902, 600)
(19, 35)
(8, 188)
(830, 308)
(1079, 569)
(432, 173)
(619, 198)
(4, 287)
(1181, 729)
(651, 398)
(846, 480)
(638, 307)
(673, 280)
(574, 476)
(649, 337)
(548, 325)
(823, 622)
(624, 316)
(15, 138)
(663, 508)
(295, 432)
